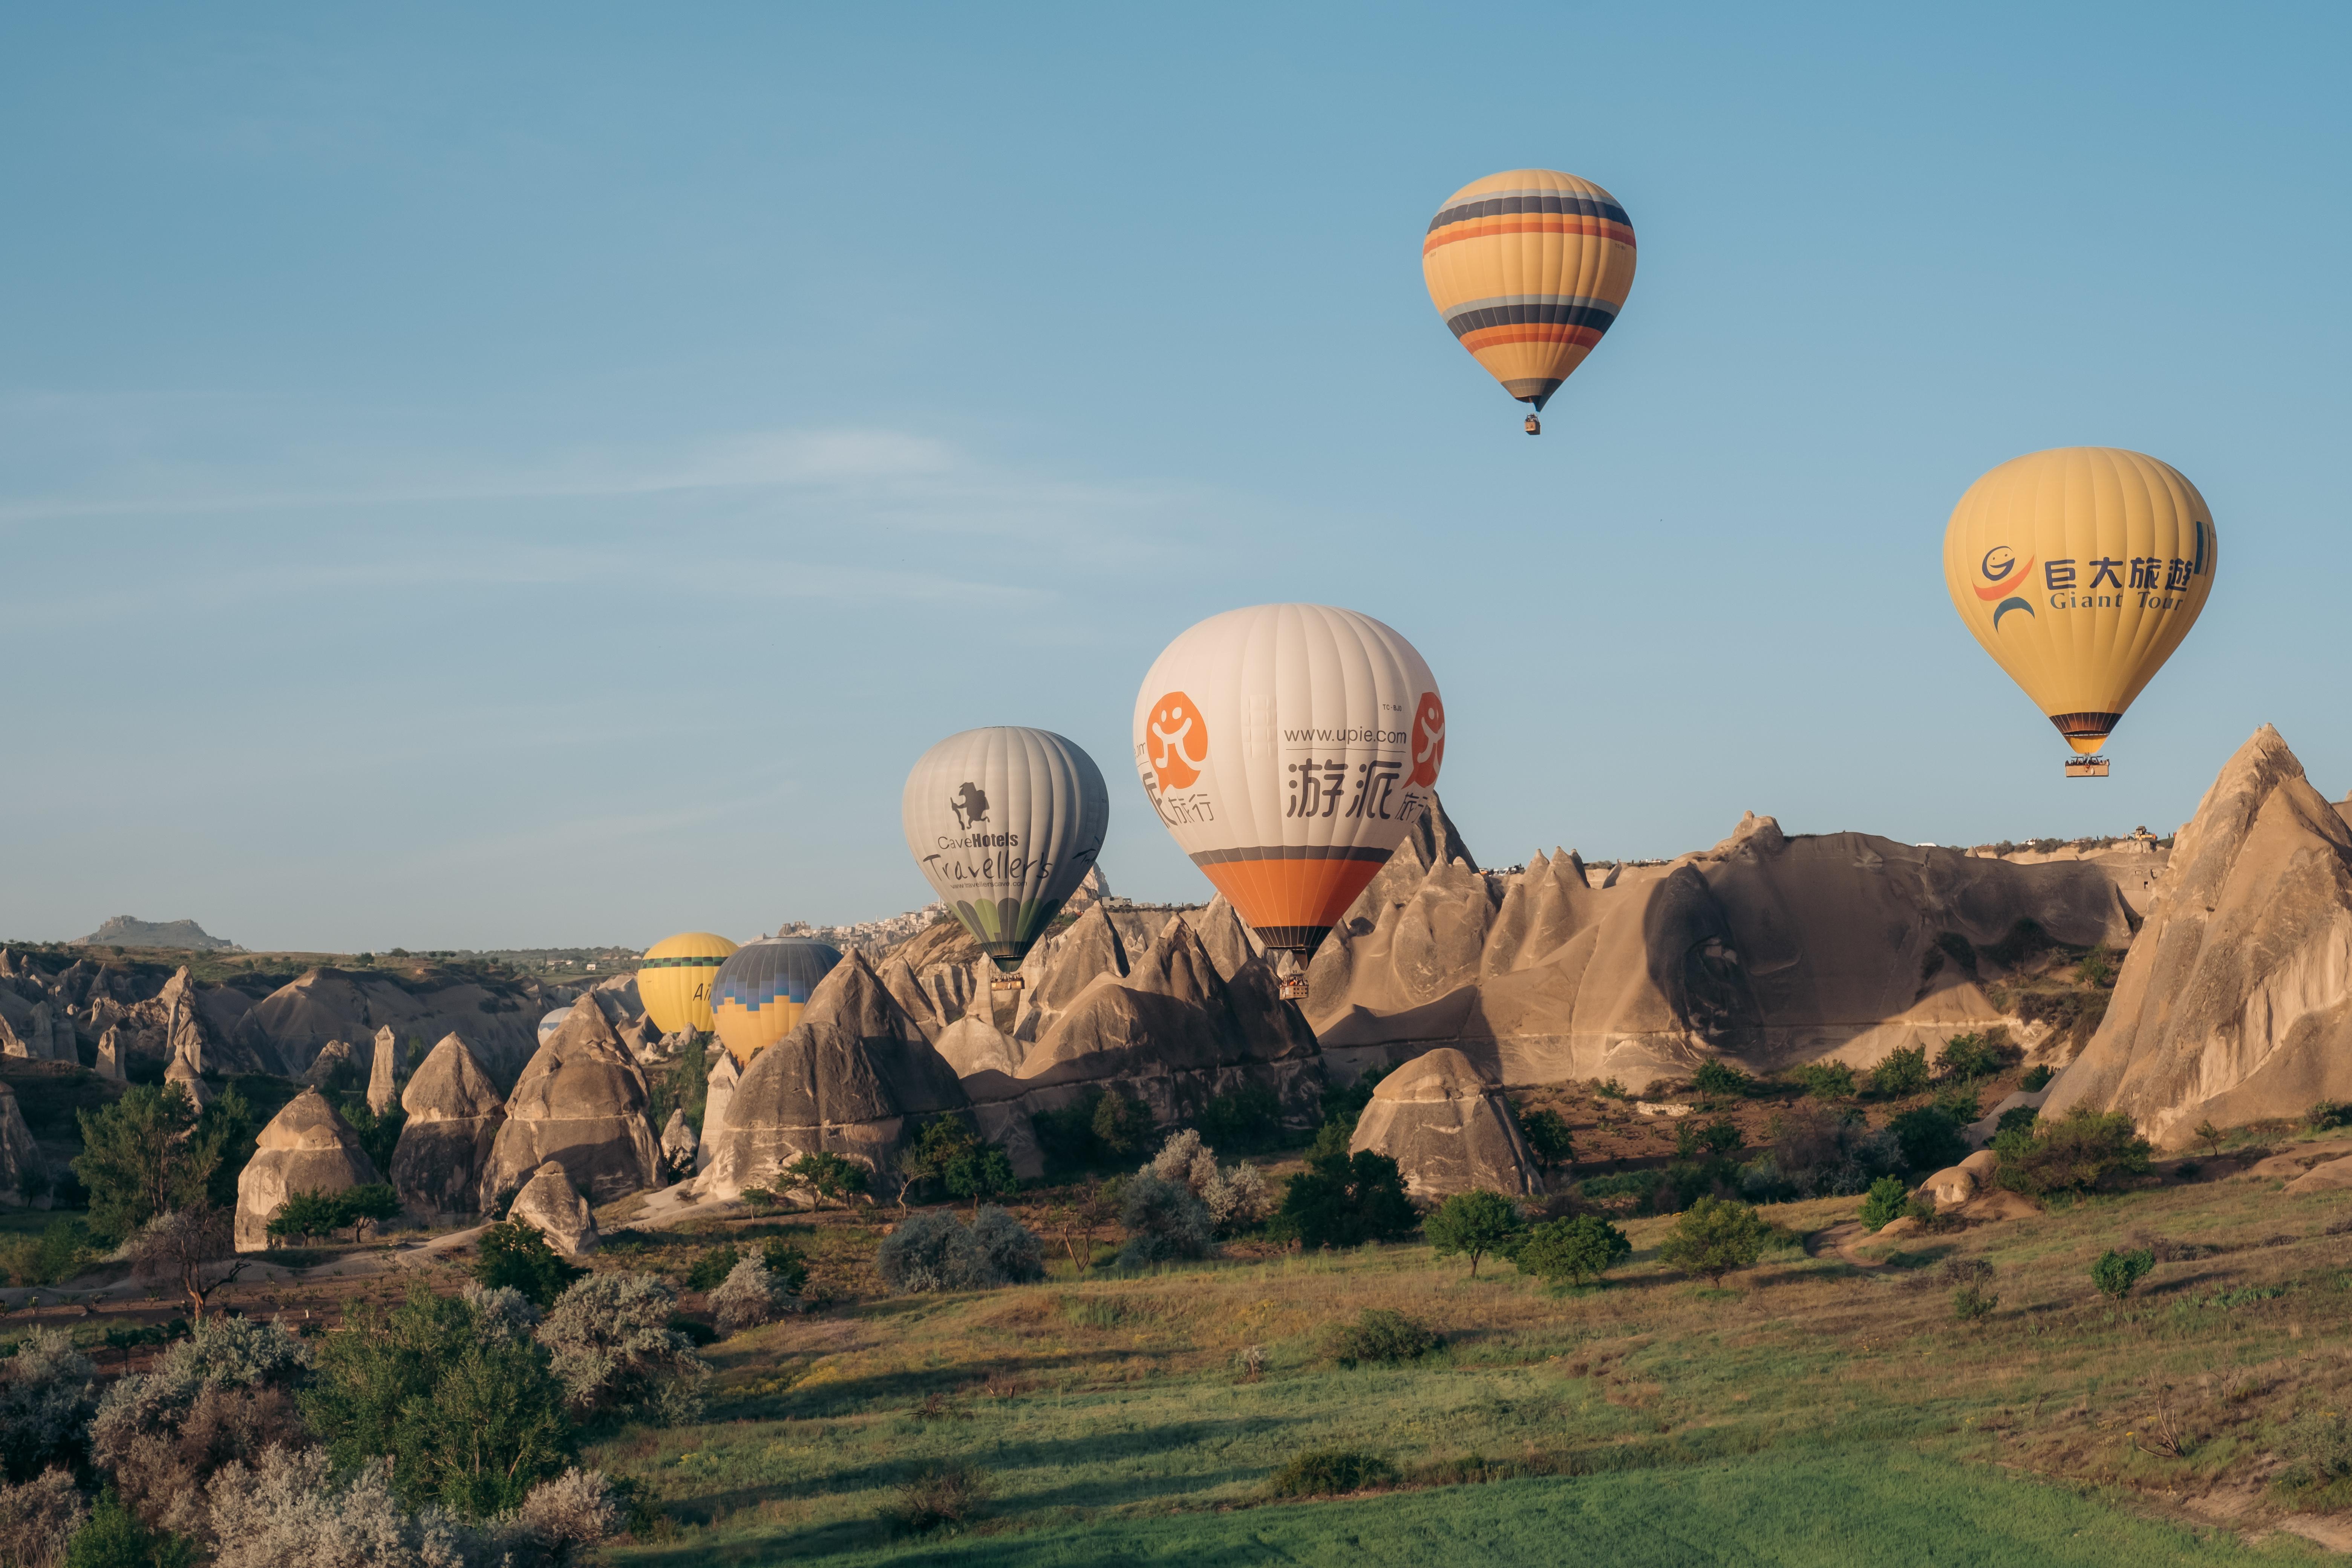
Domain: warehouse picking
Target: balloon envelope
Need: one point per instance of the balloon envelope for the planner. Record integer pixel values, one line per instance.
(763, 988)
(1005, 823)
(2080, 570)
(1528, 267)
(1288, 748)
(674, 980)
(553, 1022)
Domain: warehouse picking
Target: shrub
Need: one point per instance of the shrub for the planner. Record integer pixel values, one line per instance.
(2083, 1150)
(1720, 1078)
(609, 1343)
(1474, 1224)
(2319, 1450)
(828, 1176)
(1378, 1337)
(710, 1270)
(2207, 1135)
(1164, 1221)
(1969, 1056)
(749, 1297)
(2016, 1119)
(1819, 1151)
(1547, 1137)
(1959, 1101)
(935, 1251)
(2036, 1079)
(1329, 1472)
(1973, 1300)
(1347, 1200)
(1825, 1080)
(1930, 1137)
(1714, 1237)
(1572, 1250)
(1233, 1200)
(378, 1135)
(113, 1538)
(514, 1255)
(1695, 1139)
(1904, 1071)
(1249, 1119)
(221, 1396)
(38, 1518)
(2327, 1114)
(61, 1250)
(783, 1260)
(2097, 968)
(1101, 1130)
(48, 1390)
(1612, 1188)
(2115, 1273)
(940, 1497)
(1887, 1201)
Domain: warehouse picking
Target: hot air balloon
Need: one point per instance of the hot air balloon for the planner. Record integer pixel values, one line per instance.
(551, 1022)
(1528, 267)
(1289, 749)
(762, 989)
(1005, 823)
(2080, 569)
(674, 980)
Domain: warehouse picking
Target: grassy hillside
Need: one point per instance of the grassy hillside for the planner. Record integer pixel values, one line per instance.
(1821, 1412)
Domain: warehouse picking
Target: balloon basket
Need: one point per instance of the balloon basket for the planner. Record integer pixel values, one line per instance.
(2086, 767)
(1292, 988)
(1006, 982)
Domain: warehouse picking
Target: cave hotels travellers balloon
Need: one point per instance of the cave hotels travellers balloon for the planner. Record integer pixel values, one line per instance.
(2080, 569)
(1005, 823)
(674, 980)
(763, 988)
(1289, 749)
(1528, 267)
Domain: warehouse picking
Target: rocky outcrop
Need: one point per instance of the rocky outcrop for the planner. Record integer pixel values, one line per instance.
(580, 1102)
(385, 1069)
(1769, 950)
(2235, 1002)
(454, 1113)
(307, 1147)
(719, 1092)
(129, 931)
(298, 1018)
(847, 1080)
(113, 1051)
(332, 1058)
(679, 1142)
(555, 1206)
(192, 1083)
(1448, 1129)
(21, 1164)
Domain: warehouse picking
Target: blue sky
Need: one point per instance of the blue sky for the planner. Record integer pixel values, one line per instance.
(535, 474)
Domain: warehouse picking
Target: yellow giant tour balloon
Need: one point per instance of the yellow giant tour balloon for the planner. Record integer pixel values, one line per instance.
(2080, 569)
(674, 980)
(1528, 267)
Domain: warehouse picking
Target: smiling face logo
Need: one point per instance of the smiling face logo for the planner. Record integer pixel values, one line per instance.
(1179, 744)
(1428, 739)
(2003, 575)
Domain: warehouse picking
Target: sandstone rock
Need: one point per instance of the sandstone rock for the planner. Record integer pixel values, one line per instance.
(20, 1157)
(454, 1114)
(1981, 1165)
(678, 1143)
(191, 1082)
(2235, 1002)
(1979, 1133)
(2293, 1162)
(111, 1048)
(384, 1070)
(1447, 1129)
(307, 1147)
(300, 1016)
(970, 1046)
(2334, 1176)
(1894, 1228)
(846, 1080)
(334, 1056)
(1661, 1107)
(554, 1205)
(719, 1092)
(1998, 1204)
(581, 1103)
(1949, 1189)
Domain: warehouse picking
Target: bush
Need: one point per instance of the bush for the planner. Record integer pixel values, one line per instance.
(1547, 1132)
(1572, 1250)
(1825, 1080)
(1696, 1140)
(2085, 1151)
(1969, 1056)
(1959, 1101)
(1378, 1337)
(48, 1390)
(1720, 1078)
(1474, 1224)
(609, 1343)
(221, 1396)
(1247, 1119)
(1347, 1200)
(2115, 1273)
(750, 1296)
(514, 1255)
(1235, 1200)
(1973, 1300)
(2319, 1450)
(1164, 1221)
(1101, 1130)
(828, 1177)
(113, 1538)
(38, 1518)
(1715, 1237)
(2036, 1079)
(2328, 1114)
(1904, 1072)
(1612, 1188)
(710, 1270)
(935, 1251)
(1329, 1472)
(62, 1249)
(1887, 1202)
(940, 1497)
(1930, 1138)
(1819, 1151)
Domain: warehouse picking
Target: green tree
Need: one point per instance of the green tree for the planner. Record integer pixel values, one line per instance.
(829, 1175)
(224, 1143)
(1573, 1251)
(1714, 1237)
(1720, 1078)
(1547, 1137)
(1930, 1137)
(2083, 1150)
(1825, 1080)
(140, 1159)
(1475, 1224)
(378, 1135)
(1886, 1201)
(982, 1174)
(2115, 1273)
(113, 1538)
(1968, 1056)
(1904, 1071)
(362, 1207)
(1344, 1200)
(516, 1257)
(306, 1214)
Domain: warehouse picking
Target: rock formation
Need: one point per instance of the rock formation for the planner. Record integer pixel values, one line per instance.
(111, 1048)
(386, 1068)
(453, 1115)
(554, 1205)
(333, 1057)
(718, 1089)
(678, 1145)
(129, 931)
(307, 1147)
(581, 1103)
(2235, 1002)
(20, 1157)
(846, 1080)
(299, 1017)
(1448, 1129)
(192, 1083)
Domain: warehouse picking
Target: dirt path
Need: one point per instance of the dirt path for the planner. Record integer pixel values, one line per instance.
(1840, 1240)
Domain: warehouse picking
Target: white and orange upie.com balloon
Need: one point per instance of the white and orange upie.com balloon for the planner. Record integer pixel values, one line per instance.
(1289, 748)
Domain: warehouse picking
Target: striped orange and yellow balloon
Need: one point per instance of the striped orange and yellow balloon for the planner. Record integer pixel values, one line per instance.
(1528, 267)
(674, 980)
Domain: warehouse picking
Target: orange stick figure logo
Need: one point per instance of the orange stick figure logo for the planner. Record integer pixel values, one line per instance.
(1428, 739)
(1178, 743)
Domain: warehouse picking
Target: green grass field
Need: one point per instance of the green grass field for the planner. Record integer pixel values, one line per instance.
(1817, 1413)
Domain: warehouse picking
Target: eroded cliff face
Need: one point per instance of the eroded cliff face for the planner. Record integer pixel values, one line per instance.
(2235, 1002)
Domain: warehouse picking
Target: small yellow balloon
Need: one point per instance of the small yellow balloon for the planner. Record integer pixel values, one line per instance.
(2080, 569)
(674, 980)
